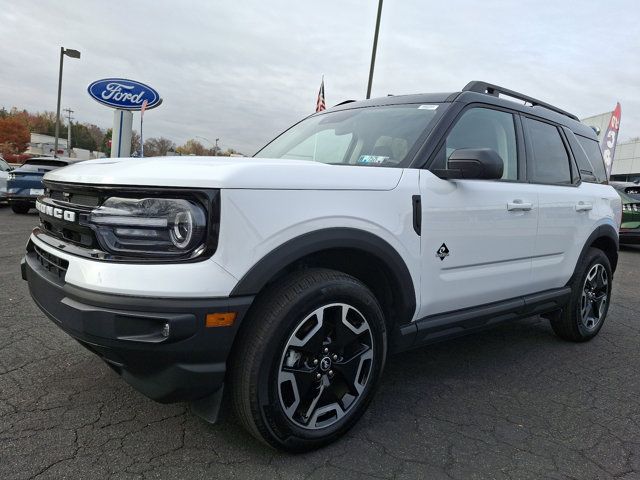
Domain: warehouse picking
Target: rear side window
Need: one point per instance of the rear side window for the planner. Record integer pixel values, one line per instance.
(583, 164)
(550, 162)
(594, 154)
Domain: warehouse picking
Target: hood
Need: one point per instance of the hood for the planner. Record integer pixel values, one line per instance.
(227, 172)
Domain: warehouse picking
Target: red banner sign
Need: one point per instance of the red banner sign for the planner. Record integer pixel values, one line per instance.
(610, 139)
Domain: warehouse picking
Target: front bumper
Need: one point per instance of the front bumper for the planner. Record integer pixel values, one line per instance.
(22, 199)
(630, 236)
(127, 332)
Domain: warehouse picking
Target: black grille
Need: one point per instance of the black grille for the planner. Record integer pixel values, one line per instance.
(53, 264)
(80, 201)
(74, 198)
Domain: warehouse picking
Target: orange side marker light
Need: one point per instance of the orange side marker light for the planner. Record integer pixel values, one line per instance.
(220, 319)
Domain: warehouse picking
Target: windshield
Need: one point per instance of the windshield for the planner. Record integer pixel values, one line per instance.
(369, 136)
(46, 161)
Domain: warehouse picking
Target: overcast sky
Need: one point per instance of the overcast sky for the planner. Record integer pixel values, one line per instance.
(244, 70)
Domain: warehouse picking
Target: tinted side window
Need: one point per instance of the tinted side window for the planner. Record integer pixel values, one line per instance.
(593, 152)
(550, 162)
(583, 164)
(487, 128)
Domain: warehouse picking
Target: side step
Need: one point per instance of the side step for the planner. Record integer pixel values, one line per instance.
(442, 326)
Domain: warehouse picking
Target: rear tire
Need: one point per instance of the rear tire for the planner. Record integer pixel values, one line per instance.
(584, 315)
(308, 359)
(20, 208)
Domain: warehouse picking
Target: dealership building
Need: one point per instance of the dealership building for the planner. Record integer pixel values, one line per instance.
(626, 161)
(41, 144)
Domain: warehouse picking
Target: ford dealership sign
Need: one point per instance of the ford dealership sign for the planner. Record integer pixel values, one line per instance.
(124, 94)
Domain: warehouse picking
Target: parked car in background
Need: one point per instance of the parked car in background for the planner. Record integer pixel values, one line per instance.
(630, 226)
(24, 184)
(630, 188)
(4, 175)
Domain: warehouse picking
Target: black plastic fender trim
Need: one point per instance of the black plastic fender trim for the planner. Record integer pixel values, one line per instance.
(332, 238)
(605, 230)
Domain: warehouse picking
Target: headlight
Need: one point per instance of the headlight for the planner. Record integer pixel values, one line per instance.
(12, 176)
(150, 227)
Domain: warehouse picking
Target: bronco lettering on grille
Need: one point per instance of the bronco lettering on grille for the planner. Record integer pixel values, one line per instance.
(56, 212)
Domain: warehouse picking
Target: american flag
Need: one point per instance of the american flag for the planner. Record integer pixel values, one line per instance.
(320, 105)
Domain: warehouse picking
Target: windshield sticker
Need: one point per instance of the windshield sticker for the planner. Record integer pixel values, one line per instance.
(427, 107)
(371, 159)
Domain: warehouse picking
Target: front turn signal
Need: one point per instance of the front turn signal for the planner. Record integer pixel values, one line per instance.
(220, 319)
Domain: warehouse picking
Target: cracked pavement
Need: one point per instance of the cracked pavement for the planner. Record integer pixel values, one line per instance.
(514, 402)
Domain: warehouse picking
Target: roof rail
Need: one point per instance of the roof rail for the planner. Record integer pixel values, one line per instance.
(495, 90)
(344, 102)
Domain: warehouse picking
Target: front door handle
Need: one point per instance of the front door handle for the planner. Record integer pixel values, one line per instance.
(519, 206)
(583, 206)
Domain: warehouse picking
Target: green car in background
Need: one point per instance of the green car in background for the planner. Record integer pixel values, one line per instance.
(630, 227)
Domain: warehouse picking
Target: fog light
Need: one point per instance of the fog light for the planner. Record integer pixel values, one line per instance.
(165, 330)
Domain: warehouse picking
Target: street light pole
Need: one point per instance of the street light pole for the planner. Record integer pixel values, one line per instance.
(214, 146)
(72, 54)
(375, 47)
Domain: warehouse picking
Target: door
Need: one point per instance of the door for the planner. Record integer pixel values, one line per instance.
(477, 235)
(567, 208)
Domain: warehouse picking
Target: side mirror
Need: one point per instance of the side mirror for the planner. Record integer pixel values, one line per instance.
(473, 163)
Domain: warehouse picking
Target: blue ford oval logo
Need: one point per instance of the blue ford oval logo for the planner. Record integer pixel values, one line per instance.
(124, 94)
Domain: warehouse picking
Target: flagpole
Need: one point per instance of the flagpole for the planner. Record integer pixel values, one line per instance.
(144, 107)
(315, 137)
(141, 137)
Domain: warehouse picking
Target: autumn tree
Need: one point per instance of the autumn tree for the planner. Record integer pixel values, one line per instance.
(96, 133)
(135, 143)
(228, 152)
(81, 137)
(44, 122)
(14, 135)
(105, 146)
(192, 147)
(158, 147)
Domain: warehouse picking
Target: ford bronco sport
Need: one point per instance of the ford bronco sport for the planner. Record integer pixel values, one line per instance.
(370, 228)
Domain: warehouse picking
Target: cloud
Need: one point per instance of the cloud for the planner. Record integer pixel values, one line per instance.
(244, 71)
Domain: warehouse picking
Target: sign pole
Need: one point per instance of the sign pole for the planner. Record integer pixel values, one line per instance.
(121, 133)
(144, 107)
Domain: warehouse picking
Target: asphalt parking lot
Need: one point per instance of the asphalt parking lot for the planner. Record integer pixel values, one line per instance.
(513, 403)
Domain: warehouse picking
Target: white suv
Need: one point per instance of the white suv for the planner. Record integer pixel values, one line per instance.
(367, 229)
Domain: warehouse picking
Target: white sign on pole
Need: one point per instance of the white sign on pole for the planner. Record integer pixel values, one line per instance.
(121, 133)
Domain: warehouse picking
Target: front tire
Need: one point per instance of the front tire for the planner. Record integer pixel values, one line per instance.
(584, 315)
(308, 359)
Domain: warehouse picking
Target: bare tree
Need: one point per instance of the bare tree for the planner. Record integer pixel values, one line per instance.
(158, 147)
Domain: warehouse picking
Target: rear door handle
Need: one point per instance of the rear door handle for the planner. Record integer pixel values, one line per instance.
(583, 206)
(519, 206)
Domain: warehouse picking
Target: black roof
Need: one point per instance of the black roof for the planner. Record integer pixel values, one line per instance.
(483, 92)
